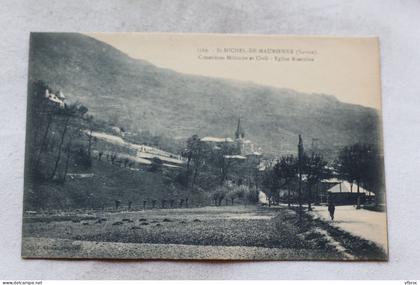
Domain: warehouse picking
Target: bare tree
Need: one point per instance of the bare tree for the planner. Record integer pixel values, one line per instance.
(66, 168)
(60, 146)
(44, 139)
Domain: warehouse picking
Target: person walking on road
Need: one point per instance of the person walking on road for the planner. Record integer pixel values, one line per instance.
(331, 209)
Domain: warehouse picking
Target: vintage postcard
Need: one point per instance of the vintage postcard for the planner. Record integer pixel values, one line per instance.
(201, 146)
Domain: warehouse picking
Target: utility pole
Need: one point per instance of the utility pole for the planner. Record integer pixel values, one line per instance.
(300, 162)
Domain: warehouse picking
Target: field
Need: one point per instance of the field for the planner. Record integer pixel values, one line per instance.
(102, 185)
(235, 232)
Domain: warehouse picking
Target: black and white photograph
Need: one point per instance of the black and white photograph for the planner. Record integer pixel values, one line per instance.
(204, 147)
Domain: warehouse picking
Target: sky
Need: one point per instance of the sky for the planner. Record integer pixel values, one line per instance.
(347, 68)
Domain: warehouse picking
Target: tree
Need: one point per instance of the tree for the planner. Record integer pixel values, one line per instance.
(286, 170)
(373, 175)
(194, 152)
(63, 119)
(279, 176)
(301, 154)
(346, 166)
(66, 168)
(315, 168)
(270, 185)
(222, 160)
(373, 178)
(100, 154)
(219, 194)
(156, 165)
(252, 196)
(57, 161)
(126, 161)
(89, 120)
(44, 141)
(361, 164)
(82, 158)
(42, 113)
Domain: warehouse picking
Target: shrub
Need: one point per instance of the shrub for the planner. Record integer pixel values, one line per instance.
(156, 165)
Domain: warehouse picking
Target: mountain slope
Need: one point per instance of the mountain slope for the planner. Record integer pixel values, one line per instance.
(139, 96)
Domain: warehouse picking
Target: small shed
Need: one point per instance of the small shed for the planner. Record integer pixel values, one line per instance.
(342, 193)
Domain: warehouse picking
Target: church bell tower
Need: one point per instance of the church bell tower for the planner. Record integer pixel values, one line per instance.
(239, 134)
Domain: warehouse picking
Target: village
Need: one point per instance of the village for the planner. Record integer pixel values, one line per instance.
(329, 189)
(240, 174)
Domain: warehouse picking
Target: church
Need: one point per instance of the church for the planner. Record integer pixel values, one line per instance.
(245, 147)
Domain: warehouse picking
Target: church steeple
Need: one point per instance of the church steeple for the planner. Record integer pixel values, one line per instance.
(239, 134)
